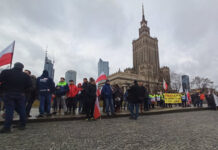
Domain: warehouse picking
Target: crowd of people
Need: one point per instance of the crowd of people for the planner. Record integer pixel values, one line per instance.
(19, 89)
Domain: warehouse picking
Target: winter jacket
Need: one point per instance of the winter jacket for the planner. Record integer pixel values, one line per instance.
(141, 93)
(44, 84)
(106, 91)
(91, 91)
(202, 97)
(73, 91)
(14, 80)
(132, 94)
(61, 89)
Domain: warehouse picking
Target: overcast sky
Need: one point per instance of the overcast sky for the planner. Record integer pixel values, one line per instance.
(79, 32)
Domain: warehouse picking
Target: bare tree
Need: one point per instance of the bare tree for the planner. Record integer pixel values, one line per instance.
(201, 83)
(175, 81)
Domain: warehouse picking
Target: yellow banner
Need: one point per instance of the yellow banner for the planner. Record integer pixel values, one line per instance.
(172, 98)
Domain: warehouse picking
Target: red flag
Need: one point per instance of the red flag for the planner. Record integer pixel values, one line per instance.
(97, 112)
(189, 98)
(101, 78)
(7, 54)
(165, 86)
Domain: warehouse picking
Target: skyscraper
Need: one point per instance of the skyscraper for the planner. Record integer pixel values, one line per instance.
(185, 83)
(49, 66)
(70, 75)
(103, 67)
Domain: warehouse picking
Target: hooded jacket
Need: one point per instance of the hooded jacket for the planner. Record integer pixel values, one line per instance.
(44, 84)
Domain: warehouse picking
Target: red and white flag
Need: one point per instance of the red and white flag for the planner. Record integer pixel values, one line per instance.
(97, 112)
(165, 86)
(188, 98)
(101, 78)
(7, 54)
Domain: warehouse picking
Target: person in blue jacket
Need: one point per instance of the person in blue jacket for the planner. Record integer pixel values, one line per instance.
(45, 86)
(106, 92)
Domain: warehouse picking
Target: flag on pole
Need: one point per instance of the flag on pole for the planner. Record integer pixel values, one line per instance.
(7, 54)
(97, 112)
(165, 86)
(188, 97)
(101, 77)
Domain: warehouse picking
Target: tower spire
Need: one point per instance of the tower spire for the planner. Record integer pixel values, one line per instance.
(143, 15)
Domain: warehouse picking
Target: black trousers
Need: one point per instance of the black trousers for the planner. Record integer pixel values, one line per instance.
(90, 105)
(71, 103)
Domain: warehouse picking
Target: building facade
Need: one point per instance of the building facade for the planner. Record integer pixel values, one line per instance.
(185, 83)
(146, 66)
(103, 67)
(70, 75)
(49, 66)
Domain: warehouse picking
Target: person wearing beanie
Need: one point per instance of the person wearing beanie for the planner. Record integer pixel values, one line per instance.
(14, 83)
(45, 87)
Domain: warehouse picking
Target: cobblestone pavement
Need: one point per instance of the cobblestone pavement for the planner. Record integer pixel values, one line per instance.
(176, 131)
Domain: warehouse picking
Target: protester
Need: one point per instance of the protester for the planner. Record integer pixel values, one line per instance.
(30, 94)
(142, 94)
(84, 95)
(106, 92)
(61, 91)
(125, 106)
(184, 100)
(118, 97)
(202, 98)
(79, 97)
(45, 87)
(15, 83)
(91, 92)
(134, 101)
(71, 97)
(211, 101)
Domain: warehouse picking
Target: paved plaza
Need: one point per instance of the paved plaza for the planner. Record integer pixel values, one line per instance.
(187, 130)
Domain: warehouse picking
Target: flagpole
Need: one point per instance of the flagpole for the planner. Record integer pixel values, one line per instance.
(12, 55)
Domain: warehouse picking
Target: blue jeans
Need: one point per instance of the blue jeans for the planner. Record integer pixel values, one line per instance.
(14, 101)
(132, 107)
(45, 104)
(109, 103)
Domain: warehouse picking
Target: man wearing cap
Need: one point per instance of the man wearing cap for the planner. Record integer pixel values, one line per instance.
(15, 82)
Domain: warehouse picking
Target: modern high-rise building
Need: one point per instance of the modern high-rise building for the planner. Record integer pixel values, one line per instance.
(70, 75)
(103, 67)
(185, 83)
(49, 66)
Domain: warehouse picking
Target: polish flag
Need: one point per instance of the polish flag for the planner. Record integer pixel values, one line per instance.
(188, 97)
(101, 78)
(7, 54)
(165, 86)
(97, 112)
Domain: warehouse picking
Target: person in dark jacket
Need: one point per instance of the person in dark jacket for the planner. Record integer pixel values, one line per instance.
(84, 96)
(45, 87)
(91, 92)
(30, 94)
(106, 93)
(15, 82)
(118, 97)
(134, 101)
(61, 92)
